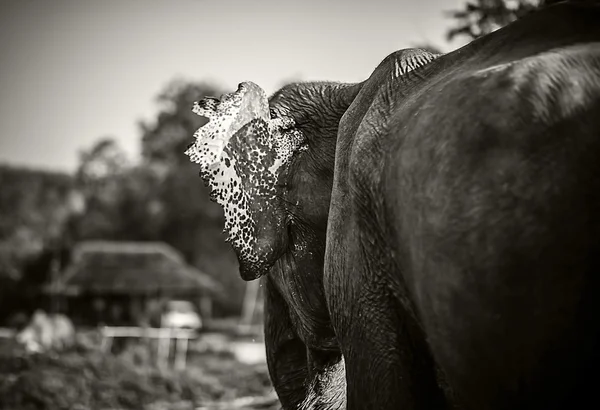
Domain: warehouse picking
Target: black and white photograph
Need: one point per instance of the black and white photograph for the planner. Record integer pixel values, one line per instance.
(299, 204)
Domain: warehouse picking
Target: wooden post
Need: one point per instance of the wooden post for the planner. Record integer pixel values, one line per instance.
(54, 285)
(181, 353)
(164, 345)
(106, 344)
(205, 308)
(163, 335)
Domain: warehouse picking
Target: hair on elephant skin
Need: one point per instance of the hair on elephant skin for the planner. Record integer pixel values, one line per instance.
(428, 238)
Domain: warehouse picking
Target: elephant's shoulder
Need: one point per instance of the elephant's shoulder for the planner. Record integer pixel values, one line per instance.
(364, 127)
(508, 102)
(548, 86)
(498, 116)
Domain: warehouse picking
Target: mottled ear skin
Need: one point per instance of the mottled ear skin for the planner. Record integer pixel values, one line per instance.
(259, 241)
(245, 184)
(241, 153)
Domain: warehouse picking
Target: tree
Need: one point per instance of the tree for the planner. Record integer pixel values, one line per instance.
(120, 198)
(103, 160)
(34, 206)
(481, 17)
(162, 197)
(191, 222)
(99, 179)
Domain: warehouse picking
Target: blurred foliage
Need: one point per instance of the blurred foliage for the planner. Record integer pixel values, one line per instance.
(481, 17)
(190, 221)
(86, 378)
(120, 199)
(34, 206)
(162, 197)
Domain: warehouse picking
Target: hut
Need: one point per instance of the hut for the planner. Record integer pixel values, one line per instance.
(128, 283)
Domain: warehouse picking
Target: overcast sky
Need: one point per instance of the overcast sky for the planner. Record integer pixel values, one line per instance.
(72, 71)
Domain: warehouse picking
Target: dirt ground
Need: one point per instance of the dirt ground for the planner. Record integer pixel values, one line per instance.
(222, 372)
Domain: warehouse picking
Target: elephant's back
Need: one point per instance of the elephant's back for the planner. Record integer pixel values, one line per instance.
(497, 159)
(493, 192)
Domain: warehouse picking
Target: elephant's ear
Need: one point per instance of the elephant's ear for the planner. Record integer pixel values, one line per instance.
(226, 117)
(241, 152)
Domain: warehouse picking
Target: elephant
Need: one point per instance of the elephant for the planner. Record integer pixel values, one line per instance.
(428, 238)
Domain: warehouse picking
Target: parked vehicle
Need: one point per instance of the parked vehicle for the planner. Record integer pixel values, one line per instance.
(181, 314)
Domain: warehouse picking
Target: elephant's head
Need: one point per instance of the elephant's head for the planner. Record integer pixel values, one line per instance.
(269, 164)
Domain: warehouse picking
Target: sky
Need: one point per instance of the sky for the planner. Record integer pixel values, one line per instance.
(73, 71)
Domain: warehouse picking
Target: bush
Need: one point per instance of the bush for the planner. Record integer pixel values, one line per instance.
(89, 379)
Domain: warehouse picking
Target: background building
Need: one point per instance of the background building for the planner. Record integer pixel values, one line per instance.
(128, 283)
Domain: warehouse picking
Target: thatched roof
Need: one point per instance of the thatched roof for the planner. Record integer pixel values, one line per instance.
(132, 268)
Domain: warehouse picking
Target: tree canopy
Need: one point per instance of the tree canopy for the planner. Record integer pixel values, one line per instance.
(480, 17)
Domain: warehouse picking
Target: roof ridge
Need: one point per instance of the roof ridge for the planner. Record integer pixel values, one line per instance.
(132, 247)
(100, 264)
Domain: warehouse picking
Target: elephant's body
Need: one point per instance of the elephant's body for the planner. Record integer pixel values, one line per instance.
(430, 237)
(464, 226)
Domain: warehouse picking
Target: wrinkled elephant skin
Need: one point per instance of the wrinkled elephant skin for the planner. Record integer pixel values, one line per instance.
(430, 238)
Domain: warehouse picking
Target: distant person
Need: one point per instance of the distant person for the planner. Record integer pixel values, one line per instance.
(47, 332)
